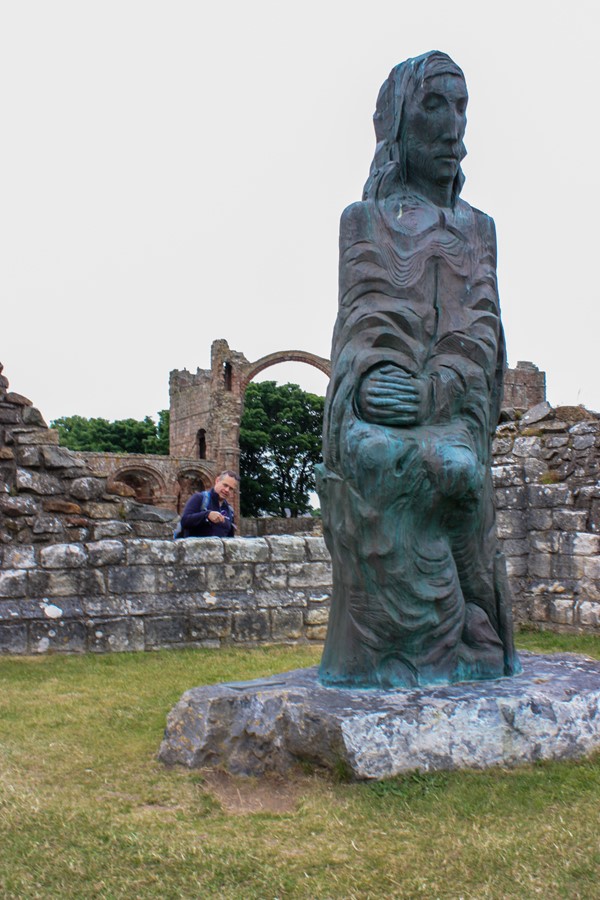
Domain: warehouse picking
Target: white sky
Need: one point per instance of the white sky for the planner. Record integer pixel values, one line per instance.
(173, 172)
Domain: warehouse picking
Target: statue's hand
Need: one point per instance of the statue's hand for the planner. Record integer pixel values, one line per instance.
(390, 396)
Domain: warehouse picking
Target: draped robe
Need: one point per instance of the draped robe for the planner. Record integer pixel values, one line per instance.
(419, 588)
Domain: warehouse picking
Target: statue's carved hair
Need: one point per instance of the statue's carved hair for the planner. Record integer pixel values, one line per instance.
(389, 162)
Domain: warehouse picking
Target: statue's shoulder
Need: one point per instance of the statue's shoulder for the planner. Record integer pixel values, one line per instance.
(355, 221)
(484, 223)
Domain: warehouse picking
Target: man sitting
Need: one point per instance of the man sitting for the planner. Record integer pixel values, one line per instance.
(207, 513)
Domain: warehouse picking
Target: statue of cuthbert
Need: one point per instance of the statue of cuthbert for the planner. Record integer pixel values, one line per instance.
(420, 593)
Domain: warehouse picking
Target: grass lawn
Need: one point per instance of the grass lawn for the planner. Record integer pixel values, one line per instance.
(87, 811)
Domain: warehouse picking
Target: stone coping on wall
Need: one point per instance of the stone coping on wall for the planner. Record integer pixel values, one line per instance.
(138, 594)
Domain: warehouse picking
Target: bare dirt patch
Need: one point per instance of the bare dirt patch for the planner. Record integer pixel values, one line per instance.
(271, 793)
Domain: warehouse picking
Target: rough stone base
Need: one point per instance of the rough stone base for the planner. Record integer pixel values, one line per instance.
(550, 711)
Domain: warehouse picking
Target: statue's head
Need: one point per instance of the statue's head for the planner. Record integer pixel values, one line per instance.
(420, 122)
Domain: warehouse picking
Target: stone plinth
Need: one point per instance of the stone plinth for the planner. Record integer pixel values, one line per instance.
(550, 711)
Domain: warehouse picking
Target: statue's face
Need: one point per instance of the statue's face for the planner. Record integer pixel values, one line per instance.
(436, 121)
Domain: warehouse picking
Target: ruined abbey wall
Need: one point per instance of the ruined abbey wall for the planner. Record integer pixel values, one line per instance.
(83, 566)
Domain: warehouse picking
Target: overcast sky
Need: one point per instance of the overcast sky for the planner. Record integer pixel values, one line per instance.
(174, 172)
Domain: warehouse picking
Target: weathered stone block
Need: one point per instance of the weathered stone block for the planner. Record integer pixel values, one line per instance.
(540, 608)
(515, 548)
(72, 582)
(32, 416)
(511, 524)
(555, 441)
(105, 553)
(316, 616)
(276, 598)
(9, 415)
(57, 635)
(310, 574)
(567, 566)
(550, 496)
(103, 530)
(228, 577)
(583, 441)
(18, 506)
(144, 552)
(539, 519)
(181, 579)
(29, 457)
(205, 626)
(106, 510)
(197, 551)
(37, 482)
(250, 626)
(516, 567)
(163, 631)
(501, 446)
(87, 488)
(546, 541)
(245, 550)
(13, 583)
(61, 458)
(316, 549)
(271, 575)
(115, 635)
(569, 519)
(31, 435)
(591, 567)
(527, 447)
(507, 476)
(316, 632)
(584, 544)
(131, 580)
(46, 524)
(63, 556)
(286, 624)
(19, 556)
(588, 614)
(286, 549)
(561, 611)
(551, 711)
(534, 470)
(13, 638)
(511, 498)
(540, 565)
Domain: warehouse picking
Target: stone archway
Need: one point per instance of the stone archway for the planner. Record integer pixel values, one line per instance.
(147, 484)
(273, 359)
(190, 480)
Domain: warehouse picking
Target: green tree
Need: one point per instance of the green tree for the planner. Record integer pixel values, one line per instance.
(280, 444)
(120, 436)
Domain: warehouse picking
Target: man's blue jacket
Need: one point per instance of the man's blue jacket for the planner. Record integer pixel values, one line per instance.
(194, 519)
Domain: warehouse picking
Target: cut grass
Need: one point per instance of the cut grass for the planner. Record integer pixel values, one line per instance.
(87, 811)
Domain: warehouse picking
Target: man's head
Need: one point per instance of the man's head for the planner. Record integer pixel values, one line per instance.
(226, 485)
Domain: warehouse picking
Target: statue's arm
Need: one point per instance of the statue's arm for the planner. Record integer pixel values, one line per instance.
(387, 395)
(464, 365)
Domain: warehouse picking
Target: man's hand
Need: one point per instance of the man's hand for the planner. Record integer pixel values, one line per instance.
(215, 517)
(390, 396)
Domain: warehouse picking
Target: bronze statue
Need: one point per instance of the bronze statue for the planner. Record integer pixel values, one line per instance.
(420, 593)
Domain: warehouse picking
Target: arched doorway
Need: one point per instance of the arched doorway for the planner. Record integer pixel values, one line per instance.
(148, 486)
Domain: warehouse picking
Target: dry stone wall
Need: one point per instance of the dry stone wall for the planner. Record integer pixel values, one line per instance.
(546, 474)
(142, 594)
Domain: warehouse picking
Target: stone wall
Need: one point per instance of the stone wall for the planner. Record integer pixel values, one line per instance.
(546, 474)
(137, 594)
(83, 566)
(524, 387)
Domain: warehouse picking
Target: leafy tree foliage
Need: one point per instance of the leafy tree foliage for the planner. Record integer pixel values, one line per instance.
(120, 436)
(280, 444)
